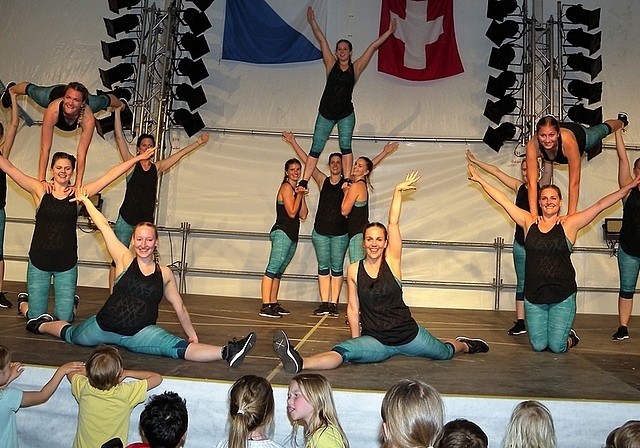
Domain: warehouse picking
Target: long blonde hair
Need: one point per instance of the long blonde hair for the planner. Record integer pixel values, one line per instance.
(251, 406)
(531, 426)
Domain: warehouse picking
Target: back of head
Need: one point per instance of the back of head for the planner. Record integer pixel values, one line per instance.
(5, 357)
(164, 420)
(104, 367)
(626, 436)
(531, 426)
(413, 415)
(251, 406)
(461, 433)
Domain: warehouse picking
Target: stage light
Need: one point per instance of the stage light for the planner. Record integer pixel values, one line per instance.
(194, 97)
(578, 15)
(202, 5)
(119, 48)
(116, 74)
(196, 71)
(495, 138)
(498, 32)
(584, 90)
(192, 123)
(494, 111)
(197, 21)
(582, 39)
(582, 63)
(122, 24)
(581, 114)
(195, 45)
(117, 5)
(500, 58)
(500, 9)
(498, 86)
(611, 229)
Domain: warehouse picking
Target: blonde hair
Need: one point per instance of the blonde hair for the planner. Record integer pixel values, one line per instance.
(531, 426)
(626, 436)
(317, 391)
(251, 406)
(104, 367)
(413, 413)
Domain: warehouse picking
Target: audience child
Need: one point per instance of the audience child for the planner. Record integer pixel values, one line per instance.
(531, 426)
(163, 422)
(626, 436)
(462, 433)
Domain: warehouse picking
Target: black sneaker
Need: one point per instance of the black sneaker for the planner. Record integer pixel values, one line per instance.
(475, 345)
(268, 311)
(33, 325)
(23, 297)
(291, 359)
(333, 310)
(6, 96)
(622, 116)
(621, 334)
(574, 338)
(518, 328)
(235, 351)
(278, 309)
(322, 309)
(4, 303)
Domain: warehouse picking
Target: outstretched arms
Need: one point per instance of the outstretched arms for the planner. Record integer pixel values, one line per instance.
(327, 55)
(394, 244)
(388, 149)
(94, 187)
(624, 169)
(508, 181)
(165, 164)
(10, 135)
(361, 63)
(317, 175)
(42, 396)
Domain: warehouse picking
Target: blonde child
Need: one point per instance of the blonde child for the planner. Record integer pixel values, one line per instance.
(530, 426)
(251, 409)
(105, 402)
(310, 404)
(11, 400)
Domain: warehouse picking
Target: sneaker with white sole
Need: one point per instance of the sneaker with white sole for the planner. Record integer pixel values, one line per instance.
(518, 328)
(4, 302)
(6, 96)
(235, 351)
(475, 345)
(267, 311)
(291, 359)
(621, 334)
(33, 325)
(573, 336)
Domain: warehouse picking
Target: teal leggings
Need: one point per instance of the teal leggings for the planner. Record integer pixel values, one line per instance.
(548, 325)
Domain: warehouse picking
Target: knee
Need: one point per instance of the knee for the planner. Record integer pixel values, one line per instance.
(558, 347)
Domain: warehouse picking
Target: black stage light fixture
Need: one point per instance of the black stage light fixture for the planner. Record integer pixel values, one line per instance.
(116, 74)
(119, 48)
(578, 15)
(581, 114)
(495, 138)
(117, 5)
(494, 111)
(498, 86)
(196, 71)
(202, 5)
(500, 58)
(197, 21)
(584, 90)
(194, 97)
(195, 45)
(582, 39)
(192, 123)
(498, 32)
(582, 63)
(500, 9)
(122, 24)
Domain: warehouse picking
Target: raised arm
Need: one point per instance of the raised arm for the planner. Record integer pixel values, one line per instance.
(35, 398)
(624, 169)
(361, 63)
(121, 142)
(318, 176)
(388, 149)
(393, 252)
(10, 135)
(572, 153)
(153, 379)
(173, 297)
(29, 184)
(97, 185)
(165, 164)
(327, 55)
(532, 176)
(508, 181)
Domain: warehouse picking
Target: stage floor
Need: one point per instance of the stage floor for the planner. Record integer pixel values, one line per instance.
(597, 369)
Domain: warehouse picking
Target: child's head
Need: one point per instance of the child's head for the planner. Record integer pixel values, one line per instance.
(462, 433)
(104, 367)
(5, 365)
(412, 414)
(531, 425)
(626, 436)
(164, 420)
(251, 406)
(310, 403)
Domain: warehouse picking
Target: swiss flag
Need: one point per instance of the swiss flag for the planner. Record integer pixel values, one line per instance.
(424, 45)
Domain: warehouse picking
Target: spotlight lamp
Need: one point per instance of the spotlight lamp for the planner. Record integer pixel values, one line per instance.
(123, 24)
(192, 123)
(498, 32)
(582, 39)
(116, 74)
(117, 5)
(194, 97)
(202, 5)
(582, 63)
(581, 114)
(500, 58)
(580, 16)
(500, 9)
(584, 90)
(195, 45)
(494, 111)
(197, 21)
(119, 48)
(495, 138)
(196, 71)
(498, 86)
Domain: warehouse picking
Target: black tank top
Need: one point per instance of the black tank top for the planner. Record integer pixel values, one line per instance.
(329, 219)
(522, 201)
(383, 313)
(359, 217)
(133, 305)
(549, 273)
(54, 245)
(3, 187)
(290, 226)
(630, 231)
(140, 196)
(335, 103)
(581, 139)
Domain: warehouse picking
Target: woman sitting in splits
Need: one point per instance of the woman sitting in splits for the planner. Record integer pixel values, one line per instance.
(375, 289)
